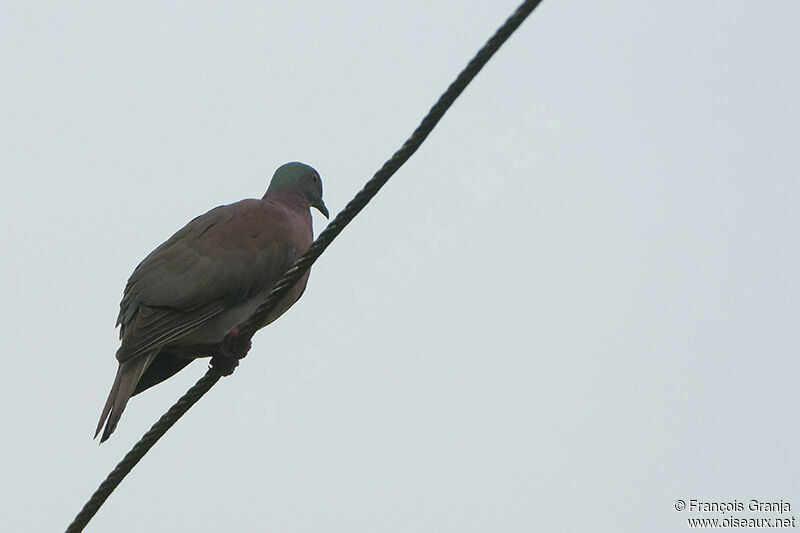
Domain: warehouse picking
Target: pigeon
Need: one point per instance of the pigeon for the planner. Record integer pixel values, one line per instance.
(187, 297)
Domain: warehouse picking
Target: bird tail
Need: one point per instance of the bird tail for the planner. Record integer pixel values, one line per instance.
(128, 375)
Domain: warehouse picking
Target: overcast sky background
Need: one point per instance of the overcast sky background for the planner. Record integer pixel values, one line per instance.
(576, 304)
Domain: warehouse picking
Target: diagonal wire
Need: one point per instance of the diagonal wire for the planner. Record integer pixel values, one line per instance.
(291, 277)
(391, 166)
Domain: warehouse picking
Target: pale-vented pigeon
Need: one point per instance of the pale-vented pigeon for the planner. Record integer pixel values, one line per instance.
(186, 299)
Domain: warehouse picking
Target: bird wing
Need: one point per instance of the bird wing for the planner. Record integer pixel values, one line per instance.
(216, 261)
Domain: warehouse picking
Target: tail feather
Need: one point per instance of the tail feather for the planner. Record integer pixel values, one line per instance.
(127, 377)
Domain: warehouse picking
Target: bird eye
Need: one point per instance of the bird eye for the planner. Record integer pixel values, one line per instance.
(314, 177)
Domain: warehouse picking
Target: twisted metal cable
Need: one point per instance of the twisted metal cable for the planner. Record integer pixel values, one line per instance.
(291, 277)
(391, 166)
(142, 447)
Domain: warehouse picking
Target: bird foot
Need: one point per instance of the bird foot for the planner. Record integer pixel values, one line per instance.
(231, 349)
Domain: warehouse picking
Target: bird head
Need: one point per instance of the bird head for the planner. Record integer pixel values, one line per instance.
(305, 179)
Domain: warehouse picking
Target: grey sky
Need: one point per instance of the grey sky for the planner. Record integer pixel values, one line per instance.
(576, 304)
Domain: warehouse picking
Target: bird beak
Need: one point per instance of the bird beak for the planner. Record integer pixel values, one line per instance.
(320, 206)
